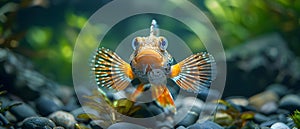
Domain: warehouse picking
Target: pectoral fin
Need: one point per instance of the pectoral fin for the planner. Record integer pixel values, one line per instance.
(110, 70)
(195, 72)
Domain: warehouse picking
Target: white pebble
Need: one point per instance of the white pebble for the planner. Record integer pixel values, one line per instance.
(279, 125)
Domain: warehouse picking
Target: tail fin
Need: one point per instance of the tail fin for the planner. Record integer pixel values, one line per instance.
(163, 97)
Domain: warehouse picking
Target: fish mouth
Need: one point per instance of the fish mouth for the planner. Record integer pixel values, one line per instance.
(148, 59)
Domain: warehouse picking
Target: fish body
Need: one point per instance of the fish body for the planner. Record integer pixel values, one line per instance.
(151, 63)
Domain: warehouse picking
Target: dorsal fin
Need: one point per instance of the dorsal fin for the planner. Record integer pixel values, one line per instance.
(154, 30)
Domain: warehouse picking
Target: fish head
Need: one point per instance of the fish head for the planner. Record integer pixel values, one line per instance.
(150, 53)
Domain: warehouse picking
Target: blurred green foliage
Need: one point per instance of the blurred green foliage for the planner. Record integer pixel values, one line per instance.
(45, 31)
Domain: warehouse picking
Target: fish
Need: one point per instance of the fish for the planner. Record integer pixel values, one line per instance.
(151, 63)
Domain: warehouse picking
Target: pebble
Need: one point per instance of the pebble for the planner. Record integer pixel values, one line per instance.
(38, 123)
(223, 118)
(290, 102)
(71, 105)
(202, 95)
(155, 110)
(251, 125)
(96, 124)
(10, 117)
(64, 93)
(189, 119)
(181, 127)
(192, 102)
(268, 123)
(279, 89)
(164, 125)
(22, 111)
(3, 120)
(3, 54)
(269, 107)
(62, 118)
(143, 112)
(260, 99)
(124, 125)
(279, 125)
(46, 105)
(77, 112)
(260, 118)
(238, 100)
(205, 125)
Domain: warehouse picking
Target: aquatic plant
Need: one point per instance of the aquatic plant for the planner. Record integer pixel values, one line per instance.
(232, 116)
(296, 118)
(6, 108)
(109, 111)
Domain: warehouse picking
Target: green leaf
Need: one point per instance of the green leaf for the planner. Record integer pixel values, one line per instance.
(87, 116)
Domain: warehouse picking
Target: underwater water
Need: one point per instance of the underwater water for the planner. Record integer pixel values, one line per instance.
(38, 48)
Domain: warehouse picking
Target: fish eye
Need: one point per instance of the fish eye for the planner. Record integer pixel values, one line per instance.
(163, 43)
(135, 43)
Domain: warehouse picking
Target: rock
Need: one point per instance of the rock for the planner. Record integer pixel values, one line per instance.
(202, 95)
(269, 107)
(260, 118)
(22, 111)
(21, 78)
(96, 124)
(62, 118)
(282, 118)
(155, 110)
(290, 123)
(238, 100)
(77, 112)
(258, 60)
(3, 120)
(279, 89)
(164, 125)
(279, 125)
(58, 127)
(5, 102)
(260, 99)
(290, 102)
(268, 123)
(29, 84)
(250, 125)
(37, 123)
(190, 102)
(205, 125)
(10, 117)
(248, 108)
(64, 93)
(189, 119)
(181, 127)
(46, 105)
(223, 118)
(71, 105)
(143, 112)
(124, 125)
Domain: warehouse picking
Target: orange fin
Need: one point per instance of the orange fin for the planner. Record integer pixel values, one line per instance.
(110, 70)
(195, 72)
(163, 97)
(137, 92)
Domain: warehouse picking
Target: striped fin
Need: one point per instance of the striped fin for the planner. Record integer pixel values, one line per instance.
(195, 72)
(163, 97)
(110, 70)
